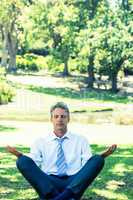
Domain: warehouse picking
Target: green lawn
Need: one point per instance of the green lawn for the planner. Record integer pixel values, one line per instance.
(35, 106)
(32, 102)
(7, 128)
(115, 181)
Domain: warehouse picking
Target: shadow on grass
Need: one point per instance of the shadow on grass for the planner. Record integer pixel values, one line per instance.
(12, 184)
(7, 128)
(84, 94)
(114, 182)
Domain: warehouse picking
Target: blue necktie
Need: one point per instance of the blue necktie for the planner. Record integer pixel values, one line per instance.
(60, 162)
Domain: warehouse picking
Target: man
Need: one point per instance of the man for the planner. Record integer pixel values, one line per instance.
(60, 165)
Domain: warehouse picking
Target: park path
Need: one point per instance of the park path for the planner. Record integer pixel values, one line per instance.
(27, 132)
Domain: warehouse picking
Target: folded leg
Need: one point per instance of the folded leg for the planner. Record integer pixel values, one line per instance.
(86, 175)
(36, 177)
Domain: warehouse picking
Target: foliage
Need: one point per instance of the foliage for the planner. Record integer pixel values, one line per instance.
(10, 27)
(85, 36)
(2, 73)
(30, 62)
(106, 43)
(58, 28)
(116, 48)
(6, 92)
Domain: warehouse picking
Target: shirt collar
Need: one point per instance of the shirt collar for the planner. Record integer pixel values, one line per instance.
(52, 135)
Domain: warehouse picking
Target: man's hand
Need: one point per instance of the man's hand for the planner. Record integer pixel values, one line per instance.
(13, 151)
(109, 151)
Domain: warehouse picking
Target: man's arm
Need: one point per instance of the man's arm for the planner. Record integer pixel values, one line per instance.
(13, 151)
(109, 151)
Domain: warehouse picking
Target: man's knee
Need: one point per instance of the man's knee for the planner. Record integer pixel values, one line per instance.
(99, 160)
(24, 162)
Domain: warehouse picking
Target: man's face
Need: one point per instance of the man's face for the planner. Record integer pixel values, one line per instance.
(60, 119)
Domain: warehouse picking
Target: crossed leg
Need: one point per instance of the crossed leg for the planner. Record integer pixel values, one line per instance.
(45, 188)
(86, 175)
(77, 183)
(36, 177)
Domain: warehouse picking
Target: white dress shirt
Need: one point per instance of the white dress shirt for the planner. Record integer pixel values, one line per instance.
(76, 149)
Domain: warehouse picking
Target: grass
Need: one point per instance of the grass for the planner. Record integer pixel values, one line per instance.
(114, 182)
(86, 94)
(90, 106)
(71, 90)
(7, 128)
(34, 101)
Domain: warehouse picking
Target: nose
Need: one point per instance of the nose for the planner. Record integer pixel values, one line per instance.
(60, 118)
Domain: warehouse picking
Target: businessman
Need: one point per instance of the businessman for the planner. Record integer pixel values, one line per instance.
(60, 165)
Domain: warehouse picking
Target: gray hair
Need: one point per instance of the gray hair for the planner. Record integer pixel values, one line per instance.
(59, 105)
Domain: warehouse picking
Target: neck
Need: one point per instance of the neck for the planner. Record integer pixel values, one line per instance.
(60, 133)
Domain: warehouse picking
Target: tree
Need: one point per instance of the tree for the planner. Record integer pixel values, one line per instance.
(116, 46)
(56, 24)
(88, 38)
(10, 11)
(106, 43)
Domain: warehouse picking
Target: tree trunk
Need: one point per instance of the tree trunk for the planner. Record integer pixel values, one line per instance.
(66, 71)
(125, 4)
(114, 83)
(12, 53)
(4, 58)
(114, 74)
(12, 62)
(90, 69)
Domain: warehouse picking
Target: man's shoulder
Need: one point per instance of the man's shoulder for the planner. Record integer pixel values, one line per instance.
(77, 136)
(41, 139)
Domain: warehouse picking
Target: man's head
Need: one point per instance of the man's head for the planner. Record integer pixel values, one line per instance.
(60, 117)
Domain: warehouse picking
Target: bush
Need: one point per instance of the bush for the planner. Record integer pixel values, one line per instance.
(54, 65)
(2, 73)
(26, 63)
(31, 62)
(39, 51)
(128, 67)
(6, 92)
